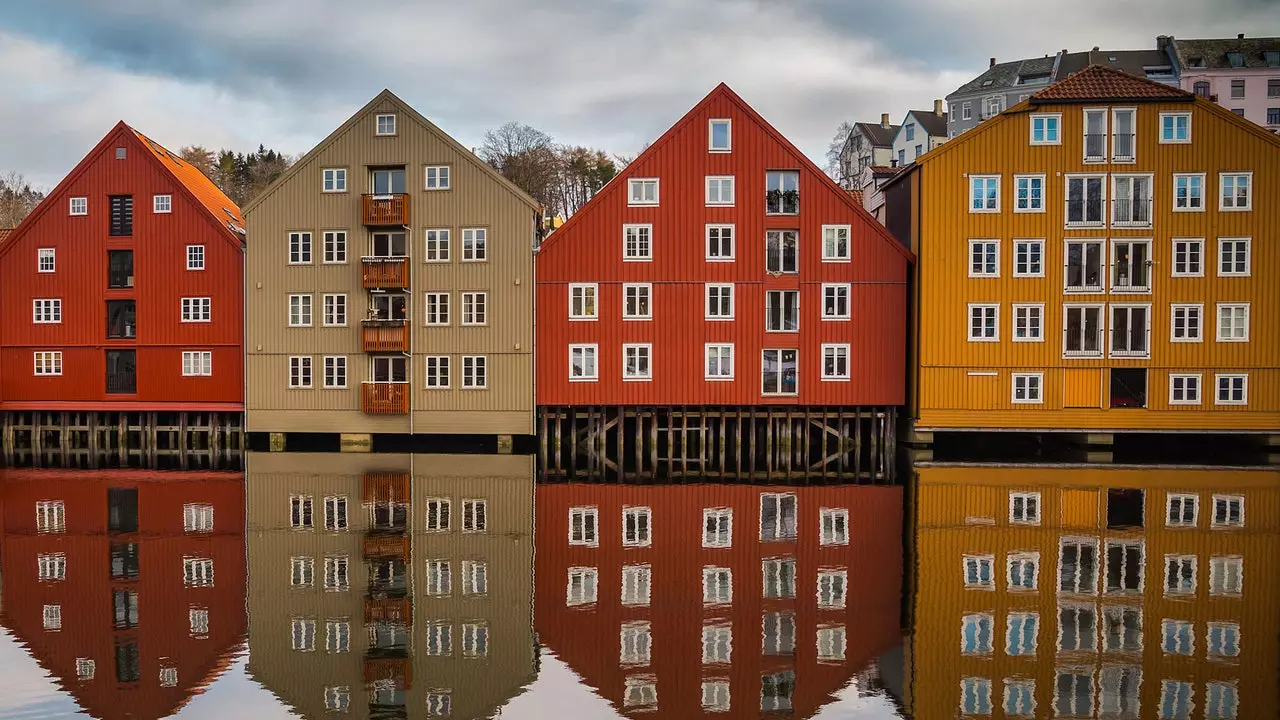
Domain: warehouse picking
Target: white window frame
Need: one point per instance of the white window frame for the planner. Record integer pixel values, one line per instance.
(585, 290)
(1106, 135)
(1189, 177)
(976, 619)
(333, 247)
(1248, 257)
(1222, 181)
(1217, 396)
(1016, 640)
(197, 309)
(1219, 327)
(442, 238)
(1030, 310)
(334, 368)
(1022, 560)
(161, 204)
(384, 129)
(1026, 518)
(1182, 562)
(1084, 222)
(995, 324)
(836, 288)
(436, 310)
(1133, 179)
(836, 349)
(642, 290)
(333, 520)
(443, 178)
(437, 377)
(1218, 565)
(585, 349)
(633, 514)
(720, 229)
(304, 307)
(779, 391)
(833, 588)
(195, 257)
(301, 376)
(637, 585)
(582, 586)
(828, 532)
(714, 540)
(1213, 519)
(1028, 243)
(1187, 310)
(333, 180)
(299, 247)
(1225, 631)
(975, 696)
(1029, 381)
(1104, 266)
(475, 245)
(50, 254)
(475, 372)
(977, 563)
(984, 209)
(1079, 542)
(334, 307)
(439, 515)
(710, 303)
(1199, 388)
(1057, 128)
(1101, 338)
(718, 184)
(1111, 337)
(475, 308)
(46, 311)
(78, 206)
(639, 349)
(641, 184)
(641, 230)
(1017, 182)
(197, 363)
(1182, 499)
(1174, 140)
(439, 579)
(711, 135)
(831, 243)
(585, 512)
(706, 351)
(1133, 143)
(986, 244)
(1198, 244)
(47, 362)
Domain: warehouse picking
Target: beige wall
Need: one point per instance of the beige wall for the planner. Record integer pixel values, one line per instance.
(477, 685)
(478, 199)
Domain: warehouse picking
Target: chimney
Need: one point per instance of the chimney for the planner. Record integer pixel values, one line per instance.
(993, 63)
(937, 108)
(1096, 48)
(1240, 36)
(884, 120)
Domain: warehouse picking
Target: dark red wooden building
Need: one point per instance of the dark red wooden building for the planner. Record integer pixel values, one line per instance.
(128, 587)
(734, 600)
(122, 291)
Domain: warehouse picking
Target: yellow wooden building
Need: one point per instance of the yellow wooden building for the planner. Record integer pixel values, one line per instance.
(1097, 257)
(1094, 593)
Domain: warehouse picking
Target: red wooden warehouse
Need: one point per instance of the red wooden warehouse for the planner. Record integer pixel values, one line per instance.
(122, 291)
(721, 268)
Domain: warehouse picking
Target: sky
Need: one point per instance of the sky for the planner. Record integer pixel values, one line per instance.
(612, 74)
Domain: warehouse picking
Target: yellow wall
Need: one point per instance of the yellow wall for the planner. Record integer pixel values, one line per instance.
(965, 511)
(965, 384)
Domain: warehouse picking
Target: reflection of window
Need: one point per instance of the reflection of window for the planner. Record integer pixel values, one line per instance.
(978, 571)
(717, 644)
(1077, 627)
(1220, 700)
(1228, 511)
(1226, 575)
(475, 577)
(717, 527)
(641, 693)
(1078, 566)
(975, 696)
(197, 572)
(582, 526)
(636, 584)
(1180, 574)
(439, 578)
(475, 639)
(1024, 507)
(777, 517)
(582, 586)
(635, 643)
(976, 634)
(1073, 693)
(715, 696)
(438, 513)
(779, 577)
(1179, 637)
(776, 690)
(1021, 633)
(474, 516)
(1023, 571)
(717, 586)
(831, 643)
(1122, 628)
(304, 634)
(1176, 699)
(1223, 640)
(52, 617)
(779, 633)
(835, 526)
(1019, 698)
(1125, 566)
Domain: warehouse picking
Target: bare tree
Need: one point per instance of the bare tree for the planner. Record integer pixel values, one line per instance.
(839, 166)
(199, 157)
(525, 156)
(17, 198)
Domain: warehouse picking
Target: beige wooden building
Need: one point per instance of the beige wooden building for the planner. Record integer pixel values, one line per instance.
(385, 584)
(389, 287)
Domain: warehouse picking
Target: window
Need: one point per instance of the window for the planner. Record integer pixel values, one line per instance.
(720, 135)
(1084, 266)
(1024, 508)
(637, 582)
(1129, 330)
(437, 245)
(437, 372)
(1020, 634)
(299, 248)
(835, 301)
(437, 308)
(1273, 84)
(474, 306)
(302, 571)
(48, 362)
(1185, 323)
(335, 310)
(581, 589)
(635, 302)
(336, 576)
(1180, 574)
(161, 204)
(333, 180)
(1023, 571)
(1030, 193)
(1233, 322)
(1078, 566)
(832, 587)
(1233, 389)
(966, 111)
(1044, 129)
(1175, 127)
(1019, 698)
(50, 516)
(1028, 323)
(777, 517)
(1187, 256)
(437, 177)
(635, 643)
(1181, 510)
(385, 125)
(439, 578)
(197, 572)
(835, 362)
(300, 311)
(911, 131)
(719, 190)
(717, 528)
(979, 572)
(1122, 142)
(1125, 566)
(300, 511)
(1273, 116)
(1221, 702)
(1237, 84)
(198, 621)
(46, 311)
(1226, 575)
(984, 193)
(1131, 203)
(1236, 191)
(1223, 640)
(335, 512)
(300, 371)
(835, 243)
(197, 363)
(121, 215)
(474, 247)
(582, 302)
(52, 566)
(1028, 258)
(1178, 637)
(46, 260)
(834, 528)
(475, 372)
(475, 577)
(642, 191)
(719, 243)
(719, 361)
(636, 362)
(975, 634)
(79, 206)
(1188, 193)
(831, 642)
(902, 158)
(779, 632)
(1228, 511)
(439, 512)
(719, 302)
(582, 362)
(782, 192)
(582, 526)
(1077, 627)
(1122, 628)
(439, 639)
(1233, 257)
(636, 524)
(637, 243)
(52, 617)
(975, 696)
(335, 246)
(984, 258)
(1184, 389)
(1082, 332)
(779, 576)
(984, 324)
(778, 372)
(782, 310)
(195, 257)
(782, 250)
(641, 693)
(717, 644)
(1085, 198)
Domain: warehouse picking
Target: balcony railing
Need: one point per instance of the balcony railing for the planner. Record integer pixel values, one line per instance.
(382, 487)
(1131, 212)
(1122, 147)
(385, 398)
(384, 210)
(389, 610)
(1095, 147)
(398, 670)
(385, 546)
(379, 336)
(385, 273)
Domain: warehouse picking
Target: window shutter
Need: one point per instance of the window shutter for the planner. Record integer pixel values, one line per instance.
(121, 215)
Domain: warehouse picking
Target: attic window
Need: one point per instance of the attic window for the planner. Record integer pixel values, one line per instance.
(987, 82)
(1197, 62)
(121, 153)
(1236, 59)
(386, 125)
(1272, 57)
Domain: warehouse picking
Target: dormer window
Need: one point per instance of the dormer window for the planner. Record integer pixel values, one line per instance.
(386, 124)
(1235, 59)
(720, 136)
(1272, 57)
(1197, 62)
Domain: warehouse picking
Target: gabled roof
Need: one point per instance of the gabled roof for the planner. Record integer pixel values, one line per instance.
(1133, 62)
(879, 135)
(201, 187)
(1213, 53)
(1098, 82)
(723, 90)
(1002, 76)
(933, 124)
(408, 110)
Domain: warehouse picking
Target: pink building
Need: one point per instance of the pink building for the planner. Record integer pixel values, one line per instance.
(1241, 74)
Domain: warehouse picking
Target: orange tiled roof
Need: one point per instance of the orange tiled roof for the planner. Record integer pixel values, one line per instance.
(857, 196)
(1098, 82)
(4, 233)
(200, 186)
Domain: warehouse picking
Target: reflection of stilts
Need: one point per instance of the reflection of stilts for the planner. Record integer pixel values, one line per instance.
(92, 439)
(636, 443)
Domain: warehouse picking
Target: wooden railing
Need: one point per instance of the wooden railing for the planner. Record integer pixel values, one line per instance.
(385, 487)
(385, 546)
(379, 336)
(398, 670)
(385, 398)
(385, 273)
(383, 210)
(389, 610)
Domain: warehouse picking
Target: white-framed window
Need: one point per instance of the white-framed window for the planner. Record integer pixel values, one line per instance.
(1233, 322)
(1184, 388)
(1124, 137)
(336, 575)
(984, 258)
(720, 190)
(720, 243)
(1019, 697)
(437, 367)
(984, 193)
(984, 323)
(1086, 201)
(439, 638)
(48, 362)
(439, 514)
(835, 301)
(79, 206)
(299, 248)
(1180, 574)
(335, 310)
(335, 512)
(196, 309)
(637, 361)
(162, 204)
(335, 371)
(637, 584)
(975, 634)
(1121, 629)
(1085, 266)
(582, 363)
(833, 586)
(1028, 322)
(1178, 637)
(717, 527)
(1082, 331)
(834, 526)
(475, 577)
(1078, 566)
(979, 572)
(777, 516)
(333, 180)
(197, 363)
(719, 135)
(304, 634)
(583, 526)
(302, 571)
(635, 643)
(636, 303)
(1228, 511)
(781, 252)
(1029, 191)
(436, 177)
(46, 260)
(1126, 566)
(1022, 570)
(439, 577)
(779, 371)
(437, 309)
(582, 586)
(300, 509)
(640, 693)
(637, 524)
(1188, 192)
(782, 310)
(1222, 640)
(197, 572)
(966, 111)
(1186, 322)
(1131, 200)
(1182, 510)
(1044, 129)
(835, 243)
(719, 364)
(46, 311)
(1188, 257)
(1226, 575)
(385, 124)
(1021, 633)
(832, 641)
(582, 301)
(835, 361)
(1221, 701)
(1130, 330)
(1232, 388)
(717, 585)
(334, 246)
(1024, 508)
(1077, 627)
(300, 371)
(1131, 266)
(642, 191)
(779, 575)
(437, 250)
(195, 257)
(51, 516)
(1236, 191)
(975, 696)
(475, 244)
(52, 617)
(475, 372)
(637, 243)
(299, 311)
(782, 192)
(1175, 127)
(1233, 257)
(475, 308)
(52, 566)
(1028, 258)
(85, 668)
(719, 305)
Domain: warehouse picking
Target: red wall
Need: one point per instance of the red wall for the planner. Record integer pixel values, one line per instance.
(161, 280)
(589, 249)
(163, 630)
(587, 637)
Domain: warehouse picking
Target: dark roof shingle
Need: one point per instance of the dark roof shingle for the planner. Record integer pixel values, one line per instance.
(932, 123)
(1098, 82)
(1212, 54)
(879, 135)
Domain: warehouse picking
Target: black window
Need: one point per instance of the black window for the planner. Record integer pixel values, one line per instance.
(122, 510)
(127, 661)
(119, 268)
(124, 561)
(121, 319)
(125, 603)
(121, 215)
(122, 377)
(1124, 508)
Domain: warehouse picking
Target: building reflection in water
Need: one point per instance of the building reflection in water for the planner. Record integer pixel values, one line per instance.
(126, 586)
(735, 600)
(383, 585)
(1095, 593)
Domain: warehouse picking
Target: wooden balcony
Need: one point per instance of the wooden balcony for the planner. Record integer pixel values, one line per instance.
(385, 487)
(385, 210)
(389, 610)
(385, 398)
(386, 546)
(397, 670)
(382, 336)
(385, 273)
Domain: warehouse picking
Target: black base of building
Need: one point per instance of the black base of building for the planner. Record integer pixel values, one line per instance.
(176, 440)
(1137, 448)
(391, 443)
